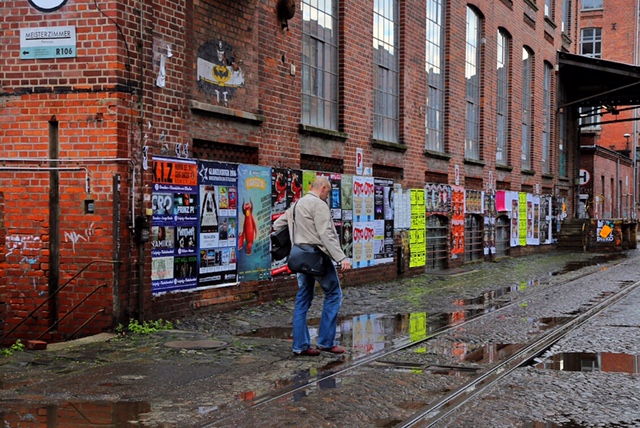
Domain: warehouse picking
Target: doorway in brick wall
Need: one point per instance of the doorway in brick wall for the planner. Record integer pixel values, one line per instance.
(503, 226)
(437, 242)
(473, 238)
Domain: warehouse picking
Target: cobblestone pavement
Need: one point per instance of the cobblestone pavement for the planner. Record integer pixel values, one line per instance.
(248, 353)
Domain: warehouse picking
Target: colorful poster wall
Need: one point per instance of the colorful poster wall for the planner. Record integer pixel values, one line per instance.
(490, 215)
(363, 221)
(522, 218)
(346, 230)
(218, 224)
(254, 222)
(211, 220)
(474, 201)
(383, 221)
(402, 207)
(608, 232)
(418, 231)
(286, 185)
(437, 198)
(512, 200)
(545, 219)
(533, 219)
(174, 222)
(457, 220)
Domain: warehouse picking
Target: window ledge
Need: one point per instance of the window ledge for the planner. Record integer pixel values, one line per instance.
(550, 22)
(508, 3)
(474, 162)
(436, 155)
(532, 4)
(528, 172)
(504, 168)
(256, 119)
(388, 145)
(322, 132)
(548, 176)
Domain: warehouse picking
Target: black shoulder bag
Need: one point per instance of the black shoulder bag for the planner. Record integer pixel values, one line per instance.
(305, 258)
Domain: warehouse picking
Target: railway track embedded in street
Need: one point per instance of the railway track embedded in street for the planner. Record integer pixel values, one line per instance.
(421, 403)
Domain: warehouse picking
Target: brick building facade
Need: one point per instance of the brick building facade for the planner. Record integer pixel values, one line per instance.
(91, 92)
(609, 30)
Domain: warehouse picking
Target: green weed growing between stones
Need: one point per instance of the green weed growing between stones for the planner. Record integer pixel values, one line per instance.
(16, 347)
(146, 327)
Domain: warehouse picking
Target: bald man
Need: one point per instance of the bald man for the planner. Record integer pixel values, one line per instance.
(314, 226)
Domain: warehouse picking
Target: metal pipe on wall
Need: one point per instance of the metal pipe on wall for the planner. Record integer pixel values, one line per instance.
(85, 160)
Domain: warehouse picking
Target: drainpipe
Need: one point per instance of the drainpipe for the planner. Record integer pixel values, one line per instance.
(618, 190)
(634, 214)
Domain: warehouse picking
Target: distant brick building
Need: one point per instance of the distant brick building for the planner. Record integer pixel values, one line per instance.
(609, 30)
(108, 109)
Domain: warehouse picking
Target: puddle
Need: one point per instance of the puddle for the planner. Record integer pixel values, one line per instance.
(597, 260)
(321, 376)
(591, 362)
(73, 414)
(366, 334)
(370, 333)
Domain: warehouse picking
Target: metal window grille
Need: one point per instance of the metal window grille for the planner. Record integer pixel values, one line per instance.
(502, 236)
(320, 64)
(437, 243)
(473, 238)
(386, 60)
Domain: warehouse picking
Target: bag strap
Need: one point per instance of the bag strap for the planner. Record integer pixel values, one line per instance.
(293, 228)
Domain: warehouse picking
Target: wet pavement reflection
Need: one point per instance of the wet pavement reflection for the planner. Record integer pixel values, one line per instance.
(592, 362)
(366, 334)
(73, 414)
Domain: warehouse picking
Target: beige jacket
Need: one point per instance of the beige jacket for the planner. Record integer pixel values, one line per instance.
(314, 226)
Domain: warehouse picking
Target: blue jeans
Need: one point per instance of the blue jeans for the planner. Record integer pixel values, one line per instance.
(330, 284)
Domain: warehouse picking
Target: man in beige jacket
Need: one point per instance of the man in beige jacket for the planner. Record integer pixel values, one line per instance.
(314, 226)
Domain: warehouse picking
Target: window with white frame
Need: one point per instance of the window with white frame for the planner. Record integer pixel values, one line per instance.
(591, 42)
(503, 95)
(320, 63)
(591, 46)
(434, 120)
(385, 73)
(546, 119)
(472, 78)
(527, 95)
(592, 4)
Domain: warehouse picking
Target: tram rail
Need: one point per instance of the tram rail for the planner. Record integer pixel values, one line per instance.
(431, 413)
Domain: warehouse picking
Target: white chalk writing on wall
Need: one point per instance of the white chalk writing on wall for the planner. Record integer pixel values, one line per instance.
(75, 237)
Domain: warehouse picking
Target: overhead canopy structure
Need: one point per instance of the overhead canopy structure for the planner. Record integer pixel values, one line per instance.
(592, 82)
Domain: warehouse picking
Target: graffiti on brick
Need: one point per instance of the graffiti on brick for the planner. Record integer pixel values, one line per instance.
(27, 248)
(219, 73)
(75, 237)
(23, 244)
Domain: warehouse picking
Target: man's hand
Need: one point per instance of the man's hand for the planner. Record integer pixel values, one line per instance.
(345, 265)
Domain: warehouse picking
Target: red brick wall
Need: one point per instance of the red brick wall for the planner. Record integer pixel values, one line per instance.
(108, 105)
(80, 95)
(618, 21)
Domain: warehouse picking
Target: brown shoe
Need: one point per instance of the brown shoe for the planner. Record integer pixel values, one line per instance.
(311, 352)
(334, 349)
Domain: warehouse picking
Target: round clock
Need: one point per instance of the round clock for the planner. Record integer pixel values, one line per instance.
(47, 5)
